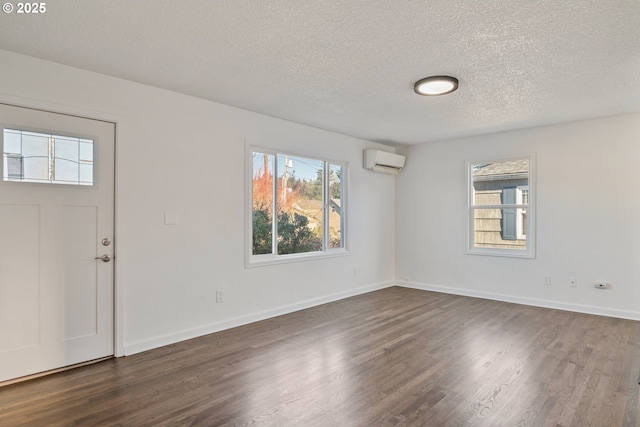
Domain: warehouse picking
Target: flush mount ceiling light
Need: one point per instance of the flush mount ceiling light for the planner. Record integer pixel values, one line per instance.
(436, 85)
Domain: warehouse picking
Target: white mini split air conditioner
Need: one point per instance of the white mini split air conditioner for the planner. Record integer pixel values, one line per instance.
(383, 161)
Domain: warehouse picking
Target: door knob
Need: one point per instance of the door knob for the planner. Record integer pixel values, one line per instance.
(104, 258)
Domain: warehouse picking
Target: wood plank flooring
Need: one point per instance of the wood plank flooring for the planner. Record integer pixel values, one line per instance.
(395, 357)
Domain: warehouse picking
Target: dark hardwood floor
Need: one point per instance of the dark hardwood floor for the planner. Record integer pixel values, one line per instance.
(388, 358)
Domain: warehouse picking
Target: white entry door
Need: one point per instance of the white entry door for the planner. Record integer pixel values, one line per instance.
(56, 240)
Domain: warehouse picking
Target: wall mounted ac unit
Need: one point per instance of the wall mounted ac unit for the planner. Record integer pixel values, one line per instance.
(383, 161)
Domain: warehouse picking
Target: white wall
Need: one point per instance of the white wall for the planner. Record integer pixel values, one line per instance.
(587, 218)
(167, 275)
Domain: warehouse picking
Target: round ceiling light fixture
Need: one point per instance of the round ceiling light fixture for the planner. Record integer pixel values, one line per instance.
(436, 85)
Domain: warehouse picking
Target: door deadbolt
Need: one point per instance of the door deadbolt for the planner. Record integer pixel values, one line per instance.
(106, 241)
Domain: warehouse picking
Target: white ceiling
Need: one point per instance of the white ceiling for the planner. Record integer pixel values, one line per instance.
(349, 65)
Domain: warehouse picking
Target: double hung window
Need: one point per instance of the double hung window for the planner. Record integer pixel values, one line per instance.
(501, 209)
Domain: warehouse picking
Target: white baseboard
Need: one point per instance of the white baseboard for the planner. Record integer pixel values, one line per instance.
(578, 308)
(162, 340)
(172, 338)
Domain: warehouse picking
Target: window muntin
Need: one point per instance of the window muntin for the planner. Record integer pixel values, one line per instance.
(500, 208)
(39, 157)
(306, 198)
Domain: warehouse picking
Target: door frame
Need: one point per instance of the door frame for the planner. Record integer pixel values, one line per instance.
(86, 113)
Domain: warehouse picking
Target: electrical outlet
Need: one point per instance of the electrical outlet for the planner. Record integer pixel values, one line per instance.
(219, 296)
(547, 280)
(573, 282)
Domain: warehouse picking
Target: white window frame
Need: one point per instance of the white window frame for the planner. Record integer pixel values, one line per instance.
(252, 260)
(529, 251)
(520, 212)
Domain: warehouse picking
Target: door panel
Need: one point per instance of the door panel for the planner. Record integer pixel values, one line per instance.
(20, 298)
(81, 290)
(56, 206)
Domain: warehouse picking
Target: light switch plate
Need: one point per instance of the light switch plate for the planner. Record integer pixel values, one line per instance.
(170, 218)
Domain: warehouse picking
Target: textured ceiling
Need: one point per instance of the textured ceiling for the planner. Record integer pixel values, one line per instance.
(349, 65)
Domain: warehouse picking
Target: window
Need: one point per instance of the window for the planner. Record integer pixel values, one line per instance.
(39, 157)
(297, 207)
(501, 207)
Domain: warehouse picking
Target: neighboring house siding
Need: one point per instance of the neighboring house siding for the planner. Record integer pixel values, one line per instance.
(488, 222)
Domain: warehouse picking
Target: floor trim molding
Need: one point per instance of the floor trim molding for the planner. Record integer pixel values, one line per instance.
(577, 308)
(172, 338)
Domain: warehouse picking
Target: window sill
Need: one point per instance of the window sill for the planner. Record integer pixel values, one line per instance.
(265, 260)
(507, 253)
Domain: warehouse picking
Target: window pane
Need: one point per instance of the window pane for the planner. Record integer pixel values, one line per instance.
(490, 179)
(85, 159)
(38, 157)
(66, 165)
(12, 141)
(299, 204)
(262, 201)
(35, 154)
(335, 207)
(13, 167)
(488, 230)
